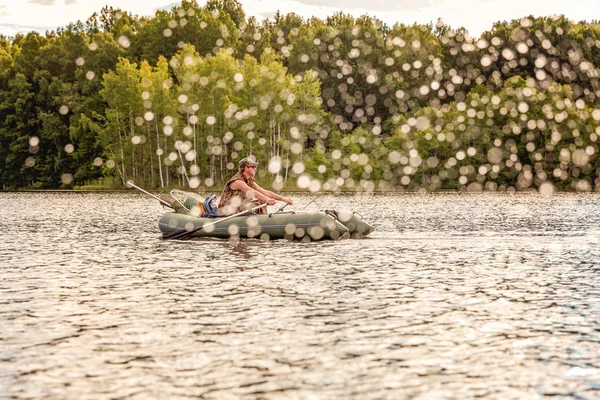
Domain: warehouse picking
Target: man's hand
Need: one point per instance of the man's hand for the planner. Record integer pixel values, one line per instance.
(271, 202)
(288, 200)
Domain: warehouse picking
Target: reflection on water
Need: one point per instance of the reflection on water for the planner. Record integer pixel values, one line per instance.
(452, 296)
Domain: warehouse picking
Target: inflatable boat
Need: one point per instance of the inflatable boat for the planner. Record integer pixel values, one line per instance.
(291, 225)
(193, 215)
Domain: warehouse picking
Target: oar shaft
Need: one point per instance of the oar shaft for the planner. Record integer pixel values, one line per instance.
(131, 184)
(281, 208)
(233, 216)
(184, 233)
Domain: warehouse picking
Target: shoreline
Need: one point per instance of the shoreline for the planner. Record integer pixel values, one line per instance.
(339, 192)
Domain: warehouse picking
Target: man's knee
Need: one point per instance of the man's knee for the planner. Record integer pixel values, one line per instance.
(262, 210)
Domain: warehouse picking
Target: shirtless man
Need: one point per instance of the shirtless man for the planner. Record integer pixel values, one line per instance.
(242, 193)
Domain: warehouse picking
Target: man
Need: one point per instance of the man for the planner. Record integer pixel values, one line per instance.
(242, 193)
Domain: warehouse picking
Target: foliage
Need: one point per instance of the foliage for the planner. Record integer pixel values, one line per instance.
(337, 104)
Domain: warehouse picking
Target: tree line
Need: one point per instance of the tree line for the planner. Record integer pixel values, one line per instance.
(344, 103)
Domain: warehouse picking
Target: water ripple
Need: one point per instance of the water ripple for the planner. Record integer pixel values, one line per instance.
(453, 296)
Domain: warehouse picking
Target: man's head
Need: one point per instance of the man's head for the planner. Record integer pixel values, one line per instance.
(247, 163)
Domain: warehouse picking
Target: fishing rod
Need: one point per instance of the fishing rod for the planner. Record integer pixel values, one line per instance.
(312, 201)
(163, 202)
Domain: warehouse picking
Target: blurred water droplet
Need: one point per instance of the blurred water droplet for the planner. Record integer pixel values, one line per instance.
(508, 54)
(66, 179)
(486, 60)
(303, 181)
(314, 185)
(494, 155)
(522, 47)
(580, 157)
(546, 189)
(124, 41)
(583, 185)
(394, 157)
(274, 165)
(475, 187)
(422, 123)
(194, 183)
(296, 148)
(298, 168)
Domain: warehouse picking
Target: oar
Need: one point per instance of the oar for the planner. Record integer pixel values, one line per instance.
(131, 184)
(280, 209)
(184, 233)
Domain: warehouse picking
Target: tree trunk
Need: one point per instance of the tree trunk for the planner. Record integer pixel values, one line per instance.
(133, 158)
(187, 179)
(122, 151)
(151, 155)
(160, 173)
(167, 174)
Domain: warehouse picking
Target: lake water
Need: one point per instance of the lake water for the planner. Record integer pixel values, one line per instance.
(452, 296)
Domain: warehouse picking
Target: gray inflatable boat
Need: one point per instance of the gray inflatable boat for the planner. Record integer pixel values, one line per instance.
(289, 225)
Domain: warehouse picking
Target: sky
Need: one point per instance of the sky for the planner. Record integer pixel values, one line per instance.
(474, 15)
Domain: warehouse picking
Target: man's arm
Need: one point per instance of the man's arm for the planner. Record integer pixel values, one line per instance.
(250, 192)
(272, 195)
